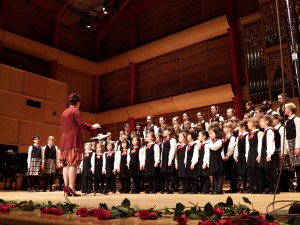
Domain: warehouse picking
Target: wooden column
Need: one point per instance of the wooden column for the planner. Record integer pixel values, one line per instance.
(236, 87)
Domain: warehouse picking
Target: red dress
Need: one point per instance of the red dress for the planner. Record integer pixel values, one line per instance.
(71, 144)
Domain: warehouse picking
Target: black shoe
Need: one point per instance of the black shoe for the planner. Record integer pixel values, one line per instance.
(153, 192)
(170, 191)
(105, 191)
(121, 190)
(147, 191)
(163, 191)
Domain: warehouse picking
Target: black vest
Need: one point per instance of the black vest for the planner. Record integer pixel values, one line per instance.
(290, 129)
(36, 152)
(50, 153)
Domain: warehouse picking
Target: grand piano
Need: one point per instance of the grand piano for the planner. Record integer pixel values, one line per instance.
(12, 164)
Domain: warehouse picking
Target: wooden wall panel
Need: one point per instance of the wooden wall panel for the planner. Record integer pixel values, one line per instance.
(52, 112)
(17, 24)
(145, 81)
(34, 85)
(145, 27)
(122, 87)
(40, 24)
(168, 74)
(214, 8)
(9, 130)
(28, 129)
(218, 61)
(80, 83)
(167, 19)
(107, 96)
(117, 40)
(33, 113)
(11, 79)
(12, 58)
(56, 91)
(193, 61)
(191, 12)
(11, 104)
(50, 130)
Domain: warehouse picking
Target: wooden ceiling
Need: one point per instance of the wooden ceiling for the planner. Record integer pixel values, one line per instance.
(58, 22)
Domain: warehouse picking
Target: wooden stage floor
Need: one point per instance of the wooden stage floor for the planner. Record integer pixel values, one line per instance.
(144, 201)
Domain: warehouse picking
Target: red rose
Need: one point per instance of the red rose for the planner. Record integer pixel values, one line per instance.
(54, 211)
(102, 214)
(153, 216)
(144, 214)
(97, 212)
(218, 211)
(45, 210)
(59, 212)
(243, 216)
(5, 208)
(10, 205)
(224, 222)
(261, 218)
(91, 212)
(83, 212)
(182, 220)
(206, 222)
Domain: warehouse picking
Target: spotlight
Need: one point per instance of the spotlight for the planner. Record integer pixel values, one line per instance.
(105, 6)
(88, 26)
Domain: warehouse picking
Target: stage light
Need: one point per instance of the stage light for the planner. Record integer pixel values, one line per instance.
(88, 25)
(87, 21)
(105, 6)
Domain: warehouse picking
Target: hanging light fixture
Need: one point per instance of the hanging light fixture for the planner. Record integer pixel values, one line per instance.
(87, 22)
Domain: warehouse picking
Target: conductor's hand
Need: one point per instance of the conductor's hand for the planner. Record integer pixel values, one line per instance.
(96, 125)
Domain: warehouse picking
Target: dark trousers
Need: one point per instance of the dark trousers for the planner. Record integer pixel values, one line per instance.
(169, 181)
(253, 178)
(205, 183)
(111, 183)
(34, 182)
(125, 184)
(232, 174)
(272, 176)
(218, 182)
(48, 181)
(261, 174)
(86, 184)
(192, 184)
(99, 184)
(152, 182)
(136, 183)
(244, 181)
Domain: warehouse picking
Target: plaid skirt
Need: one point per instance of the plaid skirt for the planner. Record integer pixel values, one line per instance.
(50, 166)
(292, 160)
(35, 167)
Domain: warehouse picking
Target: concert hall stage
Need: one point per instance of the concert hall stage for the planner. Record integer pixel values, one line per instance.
(144, 201)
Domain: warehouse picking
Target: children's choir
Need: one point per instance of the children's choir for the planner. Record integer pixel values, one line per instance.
(194, 156)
